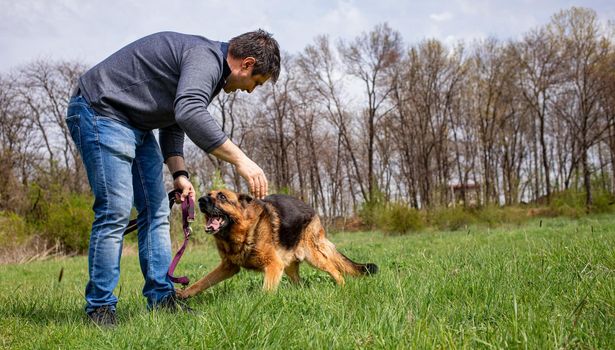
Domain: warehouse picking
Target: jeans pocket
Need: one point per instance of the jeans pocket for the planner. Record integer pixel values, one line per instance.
(73, 124)
(116, 138)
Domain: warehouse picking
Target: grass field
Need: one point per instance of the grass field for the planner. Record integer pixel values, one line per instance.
(548, 284)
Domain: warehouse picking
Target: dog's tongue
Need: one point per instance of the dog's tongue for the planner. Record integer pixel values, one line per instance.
(213, 223)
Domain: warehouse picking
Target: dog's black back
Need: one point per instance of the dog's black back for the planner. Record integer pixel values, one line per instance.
(294, 216)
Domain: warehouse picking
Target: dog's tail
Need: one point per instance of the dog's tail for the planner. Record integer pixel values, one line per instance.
(327, 250)
(346, 266)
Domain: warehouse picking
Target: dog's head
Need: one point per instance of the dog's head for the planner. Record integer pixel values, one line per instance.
(223, 208)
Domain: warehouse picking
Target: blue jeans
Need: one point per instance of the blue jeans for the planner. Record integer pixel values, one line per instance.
(123, 164)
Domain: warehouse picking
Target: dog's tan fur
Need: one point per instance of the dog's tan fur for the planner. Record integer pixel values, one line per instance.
(252, 241)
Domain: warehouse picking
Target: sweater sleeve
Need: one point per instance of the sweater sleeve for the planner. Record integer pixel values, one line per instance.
(171, 141)
(200, 72)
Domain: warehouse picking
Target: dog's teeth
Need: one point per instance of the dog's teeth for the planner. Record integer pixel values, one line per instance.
(214, 223)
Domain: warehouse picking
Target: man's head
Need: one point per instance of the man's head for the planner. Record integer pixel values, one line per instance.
(253, 57)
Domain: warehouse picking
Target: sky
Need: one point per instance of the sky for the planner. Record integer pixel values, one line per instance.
(89, 31)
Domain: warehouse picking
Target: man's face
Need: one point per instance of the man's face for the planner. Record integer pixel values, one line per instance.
(241, 77)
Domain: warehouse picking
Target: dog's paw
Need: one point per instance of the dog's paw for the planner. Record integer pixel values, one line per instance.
(181, 293)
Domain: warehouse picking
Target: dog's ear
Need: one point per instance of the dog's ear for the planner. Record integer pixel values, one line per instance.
(245, 199)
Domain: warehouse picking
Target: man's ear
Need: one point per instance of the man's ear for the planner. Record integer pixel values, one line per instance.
(245, 199)
(248, 62)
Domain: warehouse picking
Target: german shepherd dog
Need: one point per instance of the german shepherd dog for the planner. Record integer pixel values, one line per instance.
(272, 235)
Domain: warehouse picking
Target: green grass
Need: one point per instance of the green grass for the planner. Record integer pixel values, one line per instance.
(533, 286)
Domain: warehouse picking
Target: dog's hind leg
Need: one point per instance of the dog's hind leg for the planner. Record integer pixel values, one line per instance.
(292, 271)
(319, 251)
(322, 262)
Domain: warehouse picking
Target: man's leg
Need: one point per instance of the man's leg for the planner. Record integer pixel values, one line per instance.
(107, 148)
(153, 220)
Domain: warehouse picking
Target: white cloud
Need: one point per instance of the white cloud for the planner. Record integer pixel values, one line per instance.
(474, 7)
(345, 18)
(441, 17)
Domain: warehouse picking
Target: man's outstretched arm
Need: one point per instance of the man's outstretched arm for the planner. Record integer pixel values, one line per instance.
(250, 171)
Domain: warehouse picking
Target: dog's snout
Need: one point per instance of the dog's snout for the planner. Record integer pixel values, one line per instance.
(203, 202)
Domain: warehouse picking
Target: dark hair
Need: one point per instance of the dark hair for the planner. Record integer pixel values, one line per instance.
(263, 47)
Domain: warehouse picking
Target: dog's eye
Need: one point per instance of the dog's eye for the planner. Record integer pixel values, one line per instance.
(221, 197)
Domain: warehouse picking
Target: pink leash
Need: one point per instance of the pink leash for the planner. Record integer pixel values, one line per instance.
(187, 218)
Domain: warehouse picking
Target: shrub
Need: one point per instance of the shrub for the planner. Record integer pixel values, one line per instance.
(68, 222)
(13, 229)
(568, 199)
(571, 203)
(369, 214)
(451, 218)
(399, 218)
(603, 202)
(371, 211)
(494, 215)
(217, 181)
(571, 211)
(390, 217)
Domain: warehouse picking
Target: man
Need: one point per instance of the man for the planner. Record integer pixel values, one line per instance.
(164, 81)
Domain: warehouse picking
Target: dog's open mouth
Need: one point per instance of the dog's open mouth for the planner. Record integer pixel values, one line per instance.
(215, 223)
(216, 219)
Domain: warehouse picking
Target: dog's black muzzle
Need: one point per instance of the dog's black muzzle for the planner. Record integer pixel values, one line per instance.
(205, 202)
(207, 207)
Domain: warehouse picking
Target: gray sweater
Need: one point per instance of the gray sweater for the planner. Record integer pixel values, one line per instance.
(163, 81)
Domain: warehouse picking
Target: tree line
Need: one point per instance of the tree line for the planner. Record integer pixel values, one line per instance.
(371, 119)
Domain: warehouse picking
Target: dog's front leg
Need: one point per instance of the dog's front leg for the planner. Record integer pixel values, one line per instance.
(223, 271)
(273, 275)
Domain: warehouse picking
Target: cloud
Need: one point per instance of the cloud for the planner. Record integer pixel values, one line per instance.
(345, 18)
(474, 7)
(441, 17)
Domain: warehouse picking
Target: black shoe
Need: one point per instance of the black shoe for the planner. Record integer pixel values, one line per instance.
(103, 316)
(172, 303)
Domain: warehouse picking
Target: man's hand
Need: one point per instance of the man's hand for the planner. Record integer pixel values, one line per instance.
(185, 186)
(254, 176)
(181, 183)
(252, 173)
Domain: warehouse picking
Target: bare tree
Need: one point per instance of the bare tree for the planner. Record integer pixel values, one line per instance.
(16, 146)
(487, 80)
(44, 89)
(368, 58)
(321, 70)
(583, 51)
(607, 103)
(277, 108)
(538, 77)
(434, 74)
